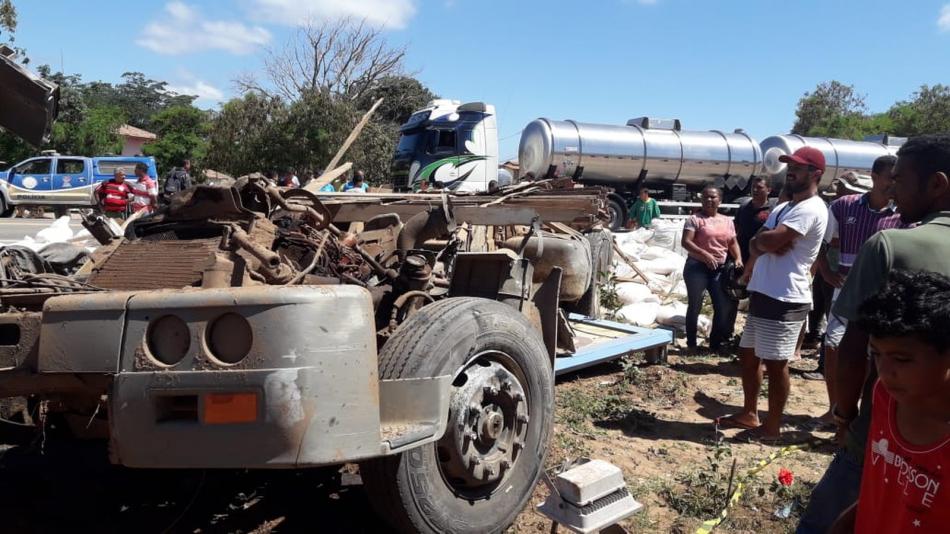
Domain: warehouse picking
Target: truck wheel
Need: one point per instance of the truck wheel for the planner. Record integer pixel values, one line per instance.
(602, 256)
(483, 470)
(618, 215)
(5, 209)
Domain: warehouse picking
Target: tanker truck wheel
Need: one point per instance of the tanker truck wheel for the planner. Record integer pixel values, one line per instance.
(602, 255)
(618, 215)
(483, 470)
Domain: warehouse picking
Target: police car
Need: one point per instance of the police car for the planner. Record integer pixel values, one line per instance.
(62, 182)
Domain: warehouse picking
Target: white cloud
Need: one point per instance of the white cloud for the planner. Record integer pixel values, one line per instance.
(182, 30)
(943, 21)
(203, 90)
(386, 13)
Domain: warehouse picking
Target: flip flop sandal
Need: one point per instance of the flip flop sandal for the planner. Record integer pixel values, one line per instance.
(727, 421)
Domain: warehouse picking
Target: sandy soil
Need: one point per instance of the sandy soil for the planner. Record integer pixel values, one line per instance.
(656, 424)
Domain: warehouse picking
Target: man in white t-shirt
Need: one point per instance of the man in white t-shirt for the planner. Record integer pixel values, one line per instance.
(781, 257)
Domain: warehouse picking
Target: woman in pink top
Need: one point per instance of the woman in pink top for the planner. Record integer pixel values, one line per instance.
(709, 237)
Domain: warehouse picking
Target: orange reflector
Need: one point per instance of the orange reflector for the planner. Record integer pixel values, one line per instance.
(223, 408)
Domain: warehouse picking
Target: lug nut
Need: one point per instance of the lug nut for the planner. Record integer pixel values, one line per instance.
(506, 385)
(491, 391)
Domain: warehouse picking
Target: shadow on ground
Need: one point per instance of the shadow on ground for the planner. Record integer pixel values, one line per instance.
(70, 486)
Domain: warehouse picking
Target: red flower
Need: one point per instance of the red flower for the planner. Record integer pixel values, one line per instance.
(785, 477)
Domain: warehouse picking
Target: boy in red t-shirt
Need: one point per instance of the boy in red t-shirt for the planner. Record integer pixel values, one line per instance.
(905, 485)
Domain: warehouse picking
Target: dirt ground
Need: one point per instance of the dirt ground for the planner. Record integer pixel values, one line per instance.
(654, 422)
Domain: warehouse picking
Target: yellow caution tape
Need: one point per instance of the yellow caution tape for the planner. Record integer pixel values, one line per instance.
(710, 524)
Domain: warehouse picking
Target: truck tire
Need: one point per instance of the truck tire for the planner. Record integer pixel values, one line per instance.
(602, 255)
(483, 470)
(618, 215)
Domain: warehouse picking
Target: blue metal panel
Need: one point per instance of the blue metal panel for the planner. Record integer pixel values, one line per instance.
(637, 339)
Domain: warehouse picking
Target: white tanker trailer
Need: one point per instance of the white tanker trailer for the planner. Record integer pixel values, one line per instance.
(455, 145)
(660, 155)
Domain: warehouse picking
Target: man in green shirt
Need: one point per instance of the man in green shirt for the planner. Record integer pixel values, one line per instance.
(922, 193)
(643, 211)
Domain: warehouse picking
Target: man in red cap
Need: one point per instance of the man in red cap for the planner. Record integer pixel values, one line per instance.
(779, 281)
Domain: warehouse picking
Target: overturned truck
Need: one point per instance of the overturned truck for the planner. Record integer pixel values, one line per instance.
(254, 327)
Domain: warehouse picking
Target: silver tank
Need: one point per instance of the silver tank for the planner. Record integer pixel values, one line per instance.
(657, 150)
(841, 155)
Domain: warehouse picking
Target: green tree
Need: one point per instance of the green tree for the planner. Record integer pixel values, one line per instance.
(402, 95)
(96, 134)
(139, 97)
(833, 109)
(928, 111)
(181, 134)
(243, 136)
(7, 18)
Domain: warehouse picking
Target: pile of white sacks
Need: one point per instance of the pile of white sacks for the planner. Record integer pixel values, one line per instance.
(657, 253)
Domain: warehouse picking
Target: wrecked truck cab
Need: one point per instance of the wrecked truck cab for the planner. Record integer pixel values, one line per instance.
(244, 327)
(240, 327)
(248, 377)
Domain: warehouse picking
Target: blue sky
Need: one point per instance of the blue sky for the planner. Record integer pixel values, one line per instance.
(716, 64)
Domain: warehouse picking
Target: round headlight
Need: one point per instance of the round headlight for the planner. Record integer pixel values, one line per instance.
(168, 339)
(229, 338)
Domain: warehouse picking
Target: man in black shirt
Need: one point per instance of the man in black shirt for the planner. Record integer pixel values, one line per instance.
(177, 180)
(752, 214)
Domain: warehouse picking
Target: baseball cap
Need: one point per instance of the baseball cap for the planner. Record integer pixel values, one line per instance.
(856, 183)
(805, 155)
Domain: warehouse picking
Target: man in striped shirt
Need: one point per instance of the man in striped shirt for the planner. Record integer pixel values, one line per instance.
(852, 220)
(144, 191)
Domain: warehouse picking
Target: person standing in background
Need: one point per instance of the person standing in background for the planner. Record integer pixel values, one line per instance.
(358, 185)
(709, 238)
(114, 195)
(177, 180)
(144, 191)
(643, 211)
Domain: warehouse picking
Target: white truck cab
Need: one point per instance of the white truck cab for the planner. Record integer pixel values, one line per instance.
(451, 146)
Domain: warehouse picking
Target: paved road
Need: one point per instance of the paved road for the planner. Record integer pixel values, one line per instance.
(12, 230)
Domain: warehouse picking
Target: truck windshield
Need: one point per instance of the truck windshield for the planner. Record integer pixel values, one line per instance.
(407, 143)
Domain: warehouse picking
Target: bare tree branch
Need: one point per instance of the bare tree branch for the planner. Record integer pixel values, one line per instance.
(344, 58)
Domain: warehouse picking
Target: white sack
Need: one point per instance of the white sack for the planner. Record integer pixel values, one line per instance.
(640, 314)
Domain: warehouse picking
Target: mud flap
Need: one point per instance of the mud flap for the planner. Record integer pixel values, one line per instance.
(413, 411)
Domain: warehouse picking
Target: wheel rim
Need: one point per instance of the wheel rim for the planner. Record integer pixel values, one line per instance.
(488, 426)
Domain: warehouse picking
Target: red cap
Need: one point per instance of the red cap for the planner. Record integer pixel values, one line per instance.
(806, 155)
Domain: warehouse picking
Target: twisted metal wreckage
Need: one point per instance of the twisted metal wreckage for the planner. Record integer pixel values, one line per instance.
(249, 326)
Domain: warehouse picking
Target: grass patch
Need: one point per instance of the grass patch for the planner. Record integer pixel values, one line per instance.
(578, 409)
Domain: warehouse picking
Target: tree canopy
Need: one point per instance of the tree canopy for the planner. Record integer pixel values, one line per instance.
(834, 109)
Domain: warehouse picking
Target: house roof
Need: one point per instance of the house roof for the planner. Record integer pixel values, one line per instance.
(131, 131)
